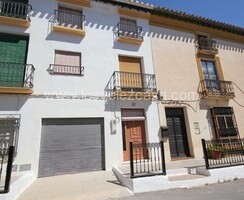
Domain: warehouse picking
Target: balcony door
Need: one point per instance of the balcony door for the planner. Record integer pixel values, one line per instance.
(210, 76)
(13, 52)
(130, 73)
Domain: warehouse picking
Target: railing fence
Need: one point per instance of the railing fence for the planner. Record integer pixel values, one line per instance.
(7, 158)
(223, 152)
(147, 159)
(15, 9)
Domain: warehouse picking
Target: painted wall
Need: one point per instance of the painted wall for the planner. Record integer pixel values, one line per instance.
(100, 52)
(177, 75)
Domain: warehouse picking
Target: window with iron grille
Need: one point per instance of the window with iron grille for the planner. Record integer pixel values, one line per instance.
(67, 63)
(71, 18)
(129, 28)
(224, 122)
(9, 129)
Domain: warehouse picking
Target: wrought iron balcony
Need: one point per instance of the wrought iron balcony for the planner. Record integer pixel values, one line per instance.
(216, 88)
(207, 45)
(15, 75)
(69, 19)
(129, 33)
(66, 70)
(15, 9)
(127, 83)
(128, 30)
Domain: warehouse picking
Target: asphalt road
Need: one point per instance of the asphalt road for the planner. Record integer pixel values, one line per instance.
(223, 191)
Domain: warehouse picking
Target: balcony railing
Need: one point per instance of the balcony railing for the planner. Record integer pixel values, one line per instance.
(132, 82)
(207, 45)
(16, 75)
(69, 19)
(128, 30)
(216, 88)
(15, 9)
(66, 70)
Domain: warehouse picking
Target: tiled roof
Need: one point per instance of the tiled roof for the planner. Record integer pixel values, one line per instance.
(183, 16)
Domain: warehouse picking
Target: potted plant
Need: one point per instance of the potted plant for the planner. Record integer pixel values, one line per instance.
(215, 151)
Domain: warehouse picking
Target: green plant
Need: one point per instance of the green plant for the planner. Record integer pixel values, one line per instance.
(215, 151)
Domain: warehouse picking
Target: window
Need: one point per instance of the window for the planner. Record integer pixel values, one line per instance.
(67, 63)
(129, 28)
(206, 43)
(224, 122)
(70, 18)
(9, 128)
(210, 75)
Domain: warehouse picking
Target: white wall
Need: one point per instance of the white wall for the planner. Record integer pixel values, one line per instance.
(100, 53)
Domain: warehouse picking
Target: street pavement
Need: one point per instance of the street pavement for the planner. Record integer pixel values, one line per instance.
(223, 191)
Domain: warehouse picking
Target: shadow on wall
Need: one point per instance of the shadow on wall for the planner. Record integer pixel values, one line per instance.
(96, 22)
(13, 102)
(62, 37)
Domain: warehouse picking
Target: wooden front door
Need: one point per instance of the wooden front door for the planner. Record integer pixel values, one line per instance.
(177, 133)
(133, 131)
(130, 76)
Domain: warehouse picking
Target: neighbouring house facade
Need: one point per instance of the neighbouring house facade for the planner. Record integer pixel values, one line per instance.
(80, 80)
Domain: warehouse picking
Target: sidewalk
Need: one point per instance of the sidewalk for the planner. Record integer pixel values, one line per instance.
(85, 186)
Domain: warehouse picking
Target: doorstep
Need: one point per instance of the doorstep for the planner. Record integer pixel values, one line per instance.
(178, 178)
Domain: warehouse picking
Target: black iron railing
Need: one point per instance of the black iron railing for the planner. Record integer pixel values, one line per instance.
(210, 87)
(223, 152)
(132, 82)
(129, 30)
(16, 75)
(15, 9)
(6, 158)
(147, 159)
(66, 70)
(207, 44)
(69, 19)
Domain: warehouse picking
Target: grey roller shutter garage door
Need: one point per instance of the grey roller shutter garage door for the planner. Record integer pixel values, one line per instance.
(71, 146)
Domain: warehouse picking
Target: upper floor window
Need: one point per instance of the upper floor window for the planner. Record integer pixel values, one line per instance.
(206, 45)
(66, 63)
(129, 28)
(69, 18)
(209, 70)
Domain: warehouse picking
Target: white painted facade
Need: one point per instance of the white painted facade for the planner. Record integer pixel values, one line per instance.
(100, 52)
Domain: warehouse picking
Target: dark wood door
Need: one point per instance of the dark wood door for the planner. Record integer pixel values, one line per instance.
(133, 131)
(177, 133)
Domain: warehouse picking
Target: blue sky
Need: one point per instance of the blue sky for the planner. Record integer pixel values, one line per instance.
(229, 11)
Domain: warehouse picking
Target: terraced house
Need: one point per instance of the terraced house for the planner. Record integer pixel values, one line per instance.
(81, 79)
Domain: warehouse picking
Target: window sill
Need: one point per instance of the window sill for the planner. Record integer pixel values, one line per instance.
(14, 21)
(68, 30)
(15, 90)
(130, 40)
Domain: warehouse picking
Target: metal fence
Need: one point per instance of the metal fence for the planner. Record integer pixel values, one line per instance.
(16, 75)
(7, 158)
(15, 9)
(66, 70)
(129, 30)
(207, 44)
(136, 82)
(223, 153)
(147, 159)
(69, 19)
(216, 87)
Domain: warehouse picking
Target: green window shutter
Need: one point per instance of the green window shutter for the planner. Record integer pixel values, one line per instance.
(13, 50)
